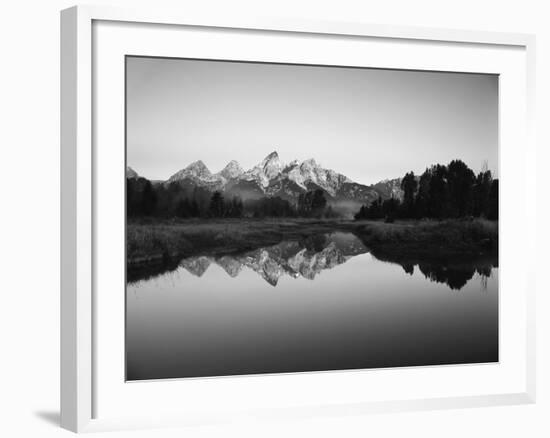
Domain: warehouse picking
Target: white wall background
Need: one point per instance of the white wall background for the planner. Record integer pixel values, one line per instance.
(29, 215)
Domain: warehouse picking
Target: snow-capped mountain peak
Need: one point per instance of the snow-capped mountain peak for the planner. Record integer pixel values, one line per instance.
(232, 170)
(309, 171)
(272, 156)
(264, 172)
(199, 174)
(271, 165)
(310, 162)
(198, 168)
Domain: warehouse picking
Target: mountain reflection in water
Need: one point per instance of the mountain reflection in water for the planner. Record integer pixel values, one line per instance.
(307, 258)
(327, 303)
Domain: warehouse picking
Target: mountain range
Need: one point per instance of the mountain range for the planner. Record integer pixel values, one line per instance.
(272, 177)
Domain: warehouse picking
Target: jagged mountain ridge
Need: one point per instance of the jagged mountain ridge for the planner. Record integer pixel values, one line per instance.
(271, 177)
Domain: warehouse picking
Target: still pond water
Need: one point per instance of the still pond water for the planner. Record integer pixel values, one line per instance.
(321, 304)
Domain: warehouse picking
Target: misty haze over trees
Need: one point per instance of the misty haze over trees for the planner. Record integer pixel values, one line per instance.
(145, 199)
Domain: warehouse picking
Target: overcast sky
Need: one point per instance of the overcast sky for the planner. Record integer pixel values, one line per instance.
(367, 124)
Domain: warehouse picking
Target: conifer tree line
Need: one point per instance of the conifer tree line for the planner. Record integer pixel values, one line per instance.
(441, 192)
(143, 199)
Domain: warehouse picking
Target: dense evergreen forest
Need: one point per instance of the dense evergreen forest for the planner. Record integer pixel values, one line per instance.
(452, 191)
(147, 199)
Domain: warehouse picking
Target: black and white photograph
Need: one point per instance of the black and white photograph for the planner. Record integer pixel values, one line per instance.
(287, 218)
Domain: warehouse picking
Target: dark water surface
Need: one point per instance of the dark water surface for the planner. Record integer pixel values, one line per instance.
(324, 303)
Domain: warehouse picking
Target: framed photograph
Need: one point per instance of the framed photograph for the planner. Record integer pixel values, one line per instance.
(274, 219)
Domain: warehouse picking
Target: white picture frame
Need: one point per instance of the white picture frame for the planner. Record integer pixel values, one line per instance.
(79, 217)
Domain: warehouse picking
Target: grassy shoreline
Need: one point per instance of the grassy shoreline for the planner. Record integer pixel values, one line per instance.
(155, 242)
